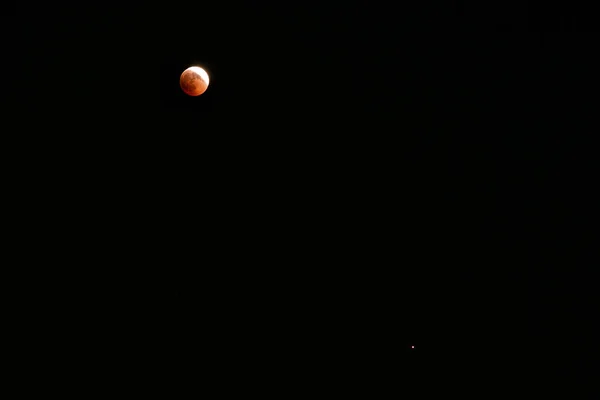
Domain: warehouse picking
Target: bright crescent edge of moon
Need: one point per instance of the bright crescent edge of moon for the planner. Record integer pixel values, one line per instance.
(203, 74)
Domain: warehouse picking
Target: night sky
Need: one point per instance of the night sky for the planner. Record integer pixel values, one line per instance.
(350, 185)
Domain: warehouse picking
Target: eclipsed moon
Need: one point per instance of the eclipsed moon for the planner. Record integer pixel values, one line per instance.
(194, 81)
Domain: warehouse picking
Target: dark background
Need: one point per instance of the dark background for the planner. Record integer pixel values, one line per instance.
(356, 179)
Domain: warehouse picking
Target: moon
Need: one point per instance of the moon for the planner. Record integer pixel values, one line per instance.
(194, 81)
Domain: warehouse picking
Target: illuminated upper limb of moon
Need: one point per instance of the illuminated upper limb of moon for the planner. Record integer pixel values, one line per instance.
(201, 72)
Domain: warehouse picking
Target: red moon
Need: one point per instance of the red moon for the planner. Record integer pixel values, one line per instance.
(194, 81)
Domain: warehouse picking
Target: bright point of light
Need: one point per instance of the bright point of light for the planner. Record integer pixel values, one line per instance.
(412, 347)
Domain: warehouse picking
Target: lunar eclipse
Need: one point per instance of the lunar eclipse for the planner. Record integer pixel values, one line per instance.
(194, 81)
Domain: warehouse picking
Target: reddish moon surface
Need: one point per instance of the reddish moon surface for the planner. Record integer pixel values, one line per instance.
(194, 81)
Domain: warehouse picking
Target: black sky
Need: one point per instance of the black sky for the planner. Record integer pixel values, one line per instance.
(352, 167)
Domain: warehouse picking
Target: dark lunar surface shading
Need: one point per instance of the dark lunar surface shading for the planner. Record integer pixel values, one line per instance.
(192, 83)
